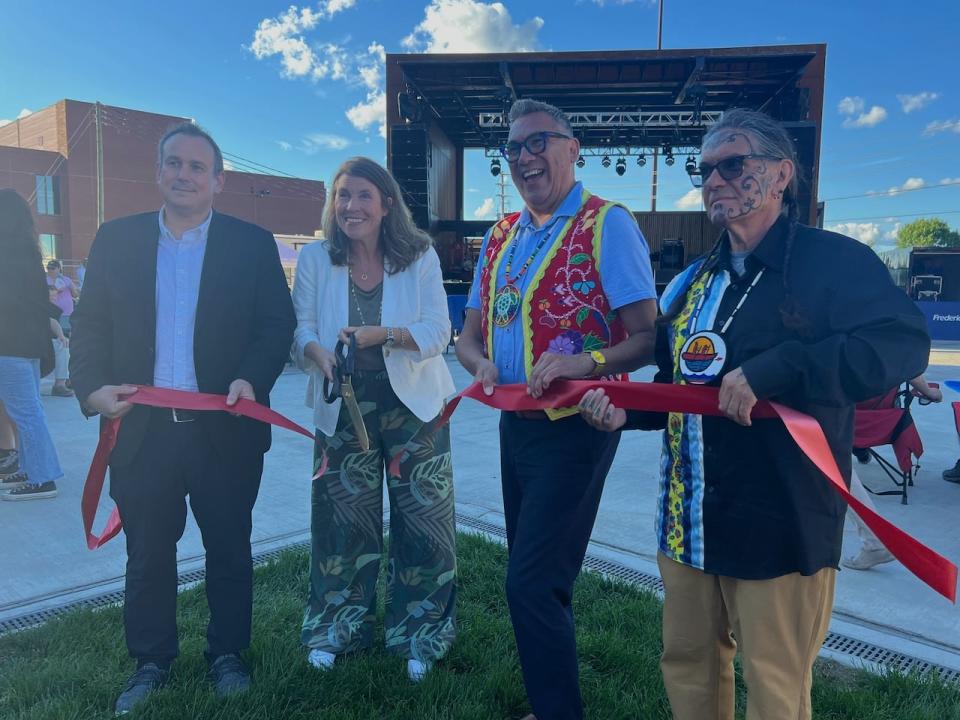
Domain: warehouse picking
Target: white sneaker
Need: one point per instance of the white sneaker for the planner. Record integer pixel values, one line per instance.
(321, 659)
(417, 670)
(867, 558)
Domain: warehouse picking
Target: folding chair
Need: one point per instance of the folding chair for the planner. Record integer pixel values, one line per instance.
(886, 420)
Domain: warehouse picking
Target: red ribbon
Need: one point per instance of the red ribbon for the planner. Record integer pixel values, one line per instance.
(928, 565)
(163, 398)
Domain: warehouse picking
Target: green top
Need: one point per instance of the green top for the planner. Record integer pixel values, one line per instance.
(370, 302)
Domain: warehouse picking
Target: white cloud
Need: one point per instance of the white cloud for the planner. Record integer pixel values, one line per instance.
(867, 233)
(484, 210)
(913, 183)
(691, 200)
(283, 35)
(950, 181)
(227, 165)
(370, 111)
(371, 66)
(603, 3)
(471, 26)
(850, 105)
(335, 6)
(333, 65)
(22, 114)
(316, 142)
(890, 235)
(854, 108)
(874, 116)
(284, 145)
(909, 103)
(939, 126)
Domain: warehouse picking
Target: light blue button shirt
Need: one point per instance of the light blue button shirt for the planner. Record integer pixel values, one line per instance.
(179, 265)
(625, 272)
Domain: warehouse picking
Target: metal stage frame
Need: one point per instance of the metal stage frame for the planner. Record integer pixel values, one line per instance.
(621, 103)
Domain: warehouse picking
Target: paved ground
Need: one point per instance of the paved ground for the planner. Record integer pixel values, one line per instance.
(45, 561)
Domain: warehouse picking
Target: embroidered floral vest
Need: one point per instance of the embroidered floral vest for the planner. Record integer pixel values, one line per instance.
(564, 309)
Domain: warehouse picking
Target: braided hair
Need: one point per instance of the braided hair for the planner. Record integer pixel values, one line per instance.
(771, 139)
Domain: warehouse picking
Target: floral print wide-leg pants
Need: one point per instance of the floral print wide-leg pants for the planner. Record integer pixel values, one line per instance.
(347, 531)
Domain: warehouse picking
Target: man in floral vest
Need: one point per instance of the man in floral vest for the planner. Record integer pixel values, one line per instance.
(563, 289)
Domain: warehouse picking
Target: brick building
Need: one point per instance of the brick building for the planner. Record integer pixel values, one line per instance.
(77, 162)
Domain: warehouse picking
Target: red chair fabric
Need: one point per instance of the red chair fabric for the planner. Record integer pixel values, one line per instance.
(886, 420)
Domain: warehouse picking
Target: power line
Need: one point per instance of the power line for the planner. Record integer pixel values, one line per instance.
(892, 193)
(884, 217)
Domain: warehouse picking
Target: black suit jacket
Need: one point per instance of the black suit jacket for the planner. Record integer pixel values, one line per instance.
(244, 323)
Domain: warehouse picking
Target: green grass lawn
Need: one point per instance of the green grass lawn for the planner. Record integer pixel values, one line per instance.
(73, 667)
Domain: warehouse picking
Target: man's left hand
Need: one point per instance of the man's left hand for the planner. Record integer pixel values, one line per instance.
(240, 388)
(553, 366)
(736, 397)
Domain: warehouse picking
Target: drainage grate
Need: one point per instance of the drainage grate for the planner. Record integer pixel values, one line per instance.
(868, 653)
(888, 659)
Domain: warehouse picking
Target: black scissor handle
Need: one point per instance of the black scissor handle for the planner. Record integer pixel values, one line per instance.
(346, 360)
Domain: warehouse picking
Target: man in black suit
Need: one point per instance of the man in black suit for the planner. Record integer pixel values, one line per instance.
(190, 299)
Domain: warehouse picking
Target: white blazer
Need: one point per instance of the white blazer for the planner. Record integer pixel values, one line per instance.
(413, 298)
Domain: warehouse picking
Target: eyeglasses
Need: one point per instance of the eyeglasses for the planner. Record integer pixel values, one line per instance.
(535, 145)
(729, 168)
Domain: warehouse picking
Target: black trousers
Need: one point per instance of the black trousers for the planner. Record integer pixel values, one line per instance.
(552, 475)
(174, 461)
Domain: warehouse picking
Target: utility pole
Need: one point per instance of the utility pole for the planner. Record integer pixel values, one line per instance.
(656, 151)
(98, 123)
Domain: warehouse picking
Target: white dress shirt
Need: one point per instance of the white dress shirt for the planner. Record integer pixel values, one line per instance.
(179, 266)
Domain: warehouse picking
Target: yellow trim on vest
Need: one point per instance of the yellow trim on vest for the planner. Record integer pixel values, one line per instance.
(494, 271)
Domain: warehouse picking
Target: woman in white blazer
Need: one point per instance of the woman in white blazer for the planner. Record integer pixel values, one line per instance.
(377, 277)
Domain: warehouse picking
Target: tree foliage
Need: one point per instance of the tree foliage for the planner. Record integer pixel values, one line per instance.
(927, 232)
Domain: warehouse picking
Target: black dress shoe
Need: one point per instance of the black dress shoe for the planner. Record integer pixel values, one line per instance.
(229, 675)
(953, 474)
(147, 678)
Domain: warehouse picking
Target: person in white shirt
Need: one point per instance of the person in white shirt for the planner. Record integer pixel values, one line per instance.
(377, 279)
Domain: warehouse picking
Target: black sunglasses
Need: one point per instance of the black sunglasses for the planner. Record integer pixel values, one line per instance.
(729, 168)
(535, 145)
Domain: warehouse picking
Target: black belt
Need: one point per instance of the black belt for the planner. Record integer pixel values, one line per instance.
(176, 415)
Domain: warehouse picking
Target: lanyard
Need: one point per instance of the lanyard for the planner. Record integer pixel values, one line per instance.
(743, 299)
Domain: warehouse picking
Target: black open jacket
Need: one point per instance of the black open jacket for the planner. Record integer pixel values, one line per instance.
(767, 510)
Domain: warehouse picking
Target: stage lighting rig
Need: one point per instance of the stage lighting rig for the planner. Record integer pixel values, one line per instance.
(495, 167)
(669, 160)
(641, 160)
(606, 161)
(621, 167)
(690, 166)
(581, 162)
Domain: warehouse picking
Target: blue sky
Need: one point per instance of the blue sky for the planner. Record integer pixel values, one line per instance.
(299, 87)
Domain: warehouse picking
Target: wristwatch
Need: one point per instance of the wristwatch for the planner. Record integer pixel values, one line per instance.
(390, 339)
(599, 360)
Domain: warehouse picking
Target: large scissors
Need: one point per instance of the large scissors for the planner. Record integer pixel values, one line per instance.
(343, 387)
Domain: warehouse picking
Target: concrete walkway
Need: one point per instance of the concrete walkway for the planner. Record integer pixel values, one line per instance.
(45, 561)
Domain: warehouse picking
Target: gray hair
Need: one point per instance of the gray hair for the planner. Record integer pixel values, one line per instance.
(772, 139)
(527, 106)
(194, 130)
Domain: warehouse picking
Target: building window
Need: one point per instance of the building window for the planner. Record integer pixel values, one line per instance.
(48, 195)
(48, 245)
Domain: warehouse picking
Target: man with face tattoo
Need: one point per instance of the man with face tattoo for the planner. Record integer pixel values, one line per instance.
(749, 531)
